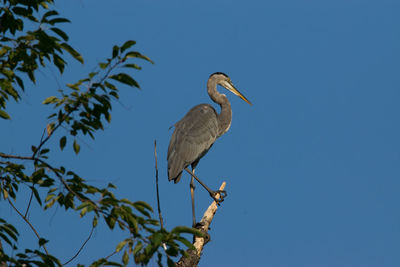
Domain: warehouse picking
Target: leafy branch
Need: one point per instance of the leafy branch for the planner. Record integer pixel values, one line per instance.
(23, 52)
(85, 99)
(82, 108)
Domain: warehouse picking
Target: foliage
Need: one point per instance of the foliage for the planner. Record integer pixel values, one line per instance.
(29, 41)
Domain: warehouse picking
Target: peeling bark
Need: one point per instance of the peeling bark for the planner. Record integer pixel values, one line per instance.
(194, 256)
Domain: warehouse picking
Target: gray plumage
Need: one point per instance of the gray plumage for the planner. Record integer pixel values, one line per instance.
(195, 133)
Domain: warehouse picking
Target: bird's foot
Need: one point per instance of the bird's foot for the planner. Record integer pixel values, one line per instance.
(200, 226)
(222, 195)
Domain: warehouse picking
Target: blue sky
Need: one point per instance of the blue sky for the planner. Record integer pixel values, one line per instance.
(312, 168)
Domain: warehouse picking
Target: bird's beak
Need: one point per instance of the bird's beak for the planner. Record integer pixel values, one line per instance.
(230, 87)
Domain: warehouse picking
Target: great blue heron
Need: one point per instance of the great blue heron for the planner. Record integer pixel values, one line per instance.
(195, 133)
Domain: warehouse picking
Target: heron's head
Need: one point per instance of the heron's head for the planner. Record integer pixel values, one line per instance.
(223, 80)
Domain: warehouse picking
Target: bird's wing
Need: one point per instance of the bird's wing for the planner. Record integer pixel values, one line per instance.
(192, 137)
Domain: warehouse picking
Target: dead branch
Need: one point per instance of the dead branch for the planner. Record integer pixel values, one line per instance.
(193, 256)
(158, 193)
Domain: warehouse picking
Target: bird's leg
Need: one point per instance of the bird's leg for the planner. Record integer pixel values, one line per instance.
(192, 187)
(222, 193)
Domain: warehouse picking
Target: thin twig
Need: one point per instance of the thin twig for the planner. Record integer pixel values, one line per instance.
(158, 194)
(29, 204)
(158, 197)
(112, 254)
(27, 221)
(6, 156)
(30, 198)
(80, 249)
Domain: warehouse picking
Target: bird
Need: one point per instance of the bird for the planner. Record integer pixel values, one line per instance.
(197, 131)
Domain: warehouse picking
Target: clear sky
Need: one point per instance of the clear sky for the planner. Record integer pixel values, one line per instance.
(312, 168)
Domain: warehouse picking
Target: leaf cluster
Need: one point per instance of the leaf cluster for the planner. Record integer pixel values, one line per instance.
(85, 105)
(23, 51)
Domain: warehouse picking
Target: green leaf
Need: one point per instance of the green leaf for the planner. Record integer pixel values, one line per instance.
(20, 82)
(4, 115)
(108, 116)
(110, 85)
(31, 76)
(142, 210)
(73, 86)
(156, 239)
(58, 20)
(51, 203)
(134, 54)
(49, 196)
(170, 263)
(44, 5)
(127, 44)
(50, 99)
(50, 13)
(188, 230)
(52, 190)
(50, 128)
(133, 66)
(83, 211)
(95, 221)
(110, 185)
(121, 245)
(59, 62)
(115, 51)
(44, 151)
(63, 142)
(143, 204)
(186, 242)
(103, 65)
(5, 193)
(5, 238)
(20, 11)
(60, 33)
(125, 258)
(72, 52)
(125, 78)
(137, 248)
(111, 221)
(77, 147)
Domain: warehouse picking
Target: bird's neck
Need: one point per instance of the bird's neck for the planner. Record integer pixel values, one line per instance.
(225, 116)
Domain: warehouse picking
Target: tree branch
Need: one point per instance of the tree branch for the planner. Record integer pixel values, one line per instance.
(6, 156)
(2, 155)
(27, 221)
(80, 249)
(193, 257)
(29, 204)
(158, 194)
